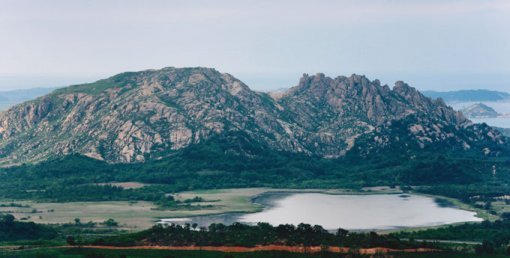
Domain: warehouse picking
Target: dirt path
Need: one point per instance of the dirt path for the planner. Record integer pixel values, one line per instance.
(241, 249)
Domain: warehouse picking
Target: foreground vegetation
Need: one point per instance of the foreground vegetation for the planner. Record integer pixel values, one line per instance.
(137, 215)
(236, 235)
(11, 230)
(239, 234)
(106, 253)
(42, 191)
(27, 239)
(20, 233)
(490, 200)
(495, 236)
(216, 164)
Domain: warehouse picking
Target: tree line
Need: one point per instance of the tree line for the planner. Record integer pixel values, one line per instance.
(239, 234)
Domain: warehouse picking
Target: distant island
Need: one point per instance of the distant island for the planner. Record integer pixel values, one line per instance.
(468, 95)
(479, 110)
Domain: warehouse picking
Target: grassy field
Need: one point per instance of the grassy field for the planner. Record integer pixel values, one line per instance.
(133, 215)
(500, 207)
(79, 253)
(141, 215)
(484, 214)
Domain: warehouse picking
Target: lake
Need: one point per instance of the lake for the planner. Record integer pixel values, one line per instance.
(353, 212)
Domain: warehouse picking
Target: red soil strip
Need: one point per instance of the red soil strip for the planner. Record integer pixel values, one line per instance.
(258, 248)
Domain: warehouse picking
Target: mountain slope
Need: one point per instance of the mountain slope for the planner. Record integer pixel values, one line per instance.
(149, 115)
(134, 116)
(335, 112)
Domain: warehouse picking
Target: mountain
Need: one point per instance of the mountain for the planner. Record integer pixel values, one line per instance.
(479, 110)
(13, 97)
(151, 115)
(469, 95)
(278, 93)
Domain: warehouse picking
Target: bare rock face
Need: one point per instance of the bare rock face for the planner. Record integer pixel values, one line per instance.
(139, 116)
(332, 114)
(133, 117)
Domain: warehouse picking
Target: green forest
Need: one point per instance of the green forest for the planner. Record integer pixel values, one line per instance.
(239, 234)
(211, 165)
(493, 235)
(494, 238)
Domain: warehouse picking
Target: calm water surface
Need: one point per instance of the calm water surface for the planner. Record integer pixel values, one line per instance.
(503, 122)
(354, 212)
(502, 107)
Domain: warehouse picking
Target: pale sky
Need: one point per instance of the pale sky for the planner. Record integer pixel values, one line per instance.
(441, 45)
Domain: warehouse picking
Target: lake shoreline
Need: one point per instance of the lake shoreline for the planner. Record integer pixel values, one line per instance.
(266, 199)
(136, 216)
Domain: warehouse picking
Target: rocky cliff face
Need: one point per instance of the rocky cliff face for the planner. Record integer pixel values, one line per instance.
(341, 113)
(134, 117)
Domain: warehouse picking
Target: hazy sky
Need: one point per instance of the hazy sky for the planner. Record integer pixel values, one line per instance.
(438, 45)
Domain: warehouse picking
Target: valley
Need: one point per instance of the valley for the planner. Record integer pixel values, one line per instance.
(139, 215)
(102, 163)
(254, 129)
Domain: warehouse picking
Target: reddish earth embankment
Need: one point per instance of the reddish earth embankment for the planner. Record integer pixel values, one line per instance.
(294, 249)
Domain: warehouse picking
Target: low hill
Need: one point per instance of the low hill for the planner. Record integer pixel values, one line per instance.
(479, 110)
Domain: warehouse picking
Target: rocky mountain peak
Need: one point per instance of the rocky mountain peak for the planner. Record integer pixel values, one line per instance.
(409, 93)
(140, 116)
(131, 80)
(402, 87)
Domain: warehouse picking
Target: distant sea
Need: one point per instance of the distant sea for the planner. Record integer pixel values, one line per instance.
(502, 107)
(498, 122)
(4, 105)
(13, 97)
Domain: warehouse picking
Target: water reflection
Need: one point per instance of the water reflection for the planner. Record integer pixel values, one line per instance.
(353, 212)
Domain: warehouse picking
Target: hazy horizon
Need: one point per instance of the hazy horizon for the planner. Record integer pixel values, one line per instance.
(53, 83)
(433, 45)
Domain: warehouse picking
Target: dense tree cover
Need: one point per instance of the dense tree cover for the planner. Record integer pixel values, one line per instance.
(155, 253)
(496, 234)
(469, 193)
(225, 163)
(239, 234)
(11, 230)
(20, 232)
